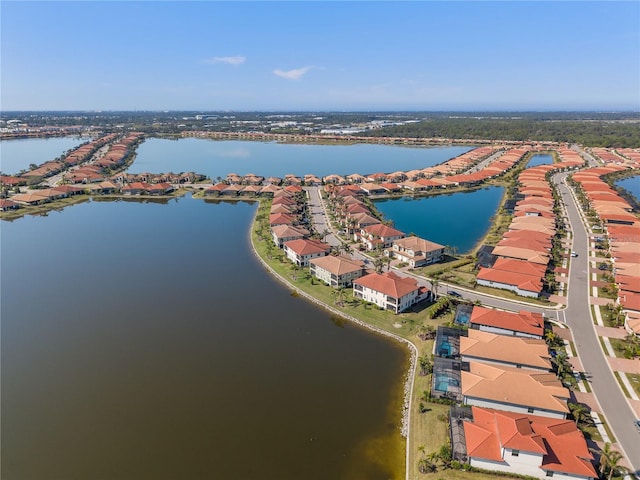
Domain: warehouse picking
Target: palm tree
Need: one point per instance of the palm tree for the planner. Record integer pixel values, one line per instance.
(426, 463)
(434, 288)
(340, 296)
(579, 411)
(378, 264)
(562, 364)
(610, 459)
(426, 367)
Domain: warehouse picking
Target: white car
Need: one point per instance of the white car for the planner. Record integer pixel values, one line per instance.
(574, 254)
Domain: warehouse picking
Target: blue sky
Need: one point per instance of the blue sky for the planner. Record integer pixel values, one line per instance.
(417, 55)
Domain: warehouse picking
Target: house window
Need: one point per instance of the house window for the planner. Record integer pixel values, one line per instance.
(515, 453)
(549, 473)
(530, 410)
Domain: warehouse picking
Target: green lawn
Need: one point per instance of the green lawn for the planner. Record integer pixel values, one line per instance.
(634, 380)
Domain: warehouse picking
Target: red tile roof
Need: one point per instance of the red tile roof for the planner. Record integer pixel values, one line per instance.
(523, 321)
(562, 445)
(388, 283)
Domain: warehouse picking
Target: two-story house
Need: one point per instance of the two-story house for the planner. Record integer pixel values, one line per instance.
(416, 251)
(302, 250)
(387, 290)
(378, 236)
(336, 271)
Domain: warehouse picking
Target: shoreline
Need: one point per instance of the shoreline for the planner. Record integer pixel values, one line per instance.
(413, 349)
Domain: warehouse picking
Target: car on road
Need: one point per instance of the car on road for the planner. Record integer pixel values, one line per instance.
(637, 423)
(574, 254)
(453, 293)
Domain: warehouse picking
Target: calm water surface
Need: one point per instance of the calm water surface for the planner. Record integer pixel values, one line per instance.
(458, 219)
(16, 155)
(540, 159)
(220, 157)
(632, 185)
(145, 341)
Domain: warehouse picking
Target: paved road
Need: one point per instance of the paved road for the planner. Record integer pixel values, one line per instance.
(577, 315)
(613, 403)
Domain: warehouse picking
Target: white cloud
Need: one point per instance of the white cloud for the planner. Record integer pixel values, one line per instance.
(295, 74)
(235, 60)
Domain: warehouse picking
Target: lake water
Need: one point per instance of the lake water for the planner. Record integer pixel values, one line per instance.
(540, 159)
(16, 155)
(458, 219)
(632, 185)
(220, 157)
(143, 340)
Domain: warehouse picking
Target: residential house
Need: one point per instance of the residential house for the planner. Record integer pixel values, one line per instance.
(378, 236)
(302, 250)
(521, 324)
(514, 390)
(285, 233)
(528, 445)
(387, 290)
(518, 352)
(416, 251)
(336, 271)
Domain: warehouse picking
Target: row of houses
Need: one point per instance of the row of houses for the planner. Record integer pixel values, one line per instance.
(42, 196)
(447, 174)
(114, 158)
(515, 414)
(357, 220)
(621, 226)
(387, 290)
(521, 258)
(79, 155)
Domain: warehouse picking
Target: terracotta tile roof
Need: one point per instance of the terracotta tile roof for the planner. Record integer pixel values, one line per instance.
(526, 243)
(519, 266)
(364, 219)
(523, 321)
(337, 265)
(514, 350)
(288, 231)
(417, 244)
(389, 284)
(628, 283)
(532, 256)
(29, 197)
(383, 231)
(4, 203)
(563, 446)
(307, 247)
(281, 219)
(515, 386)
(527, 283)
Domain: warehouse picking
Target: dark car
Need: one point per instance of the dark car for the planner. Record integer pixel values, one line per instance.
(454, 294)
(603, 266)
(637, 422)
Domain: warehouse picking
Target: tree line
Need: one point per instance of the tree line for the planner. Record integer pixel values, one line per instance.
(590, 133)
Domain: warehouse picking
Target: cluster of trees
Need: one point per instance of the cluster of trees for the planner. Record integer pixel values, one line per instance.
(594, 133)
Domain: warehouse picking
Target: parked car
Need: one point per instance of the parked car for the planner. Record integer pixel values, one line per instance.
(574, 254)
(603, 266)
(453, 293)
(637, 422)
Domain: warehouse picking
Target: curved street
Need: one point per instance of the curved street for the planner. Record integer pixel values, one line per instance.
(576, 315)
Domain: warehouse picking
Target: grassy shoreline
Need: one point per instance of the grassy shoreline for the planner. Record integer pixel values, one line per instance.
(423, 428)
